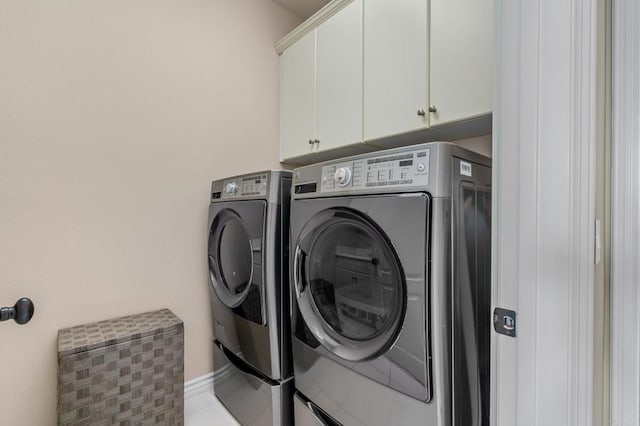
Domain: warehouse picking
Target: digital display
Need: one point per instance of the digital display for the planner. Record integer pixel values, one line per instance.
(406, 163)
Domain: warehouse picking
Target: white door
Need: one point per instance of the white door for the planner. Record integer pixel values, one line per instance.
(395, 67)
(460, 59)
(544, 210)
(298, 97)
(339, 72)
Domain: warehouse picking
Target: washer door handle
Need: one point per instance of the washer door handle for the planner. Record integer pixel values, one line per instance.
(314, 412)
(299, 259)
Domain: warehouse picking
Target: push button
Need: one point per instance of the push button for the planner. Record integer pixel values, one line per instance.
(420, 167)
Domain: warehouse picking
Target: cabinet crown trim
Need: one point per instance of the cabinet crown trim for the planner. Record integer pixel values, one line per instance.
(310, 24)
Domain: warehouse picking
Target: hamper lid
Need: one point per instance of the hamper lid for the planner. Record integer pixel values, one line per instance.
(86, 337)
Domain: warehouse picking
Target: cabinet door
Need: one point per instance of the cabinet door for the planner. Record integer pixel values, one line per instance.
(339, 72)
(298, 97)
(395, 67)
(461, 59)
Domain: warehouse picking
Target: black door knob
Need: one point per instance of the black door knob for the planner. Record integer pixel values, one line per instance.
(21, 312)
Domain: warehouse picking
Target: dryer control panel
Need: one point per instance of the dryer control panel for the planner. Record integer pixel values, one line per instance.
(245, 186)
(391, 170)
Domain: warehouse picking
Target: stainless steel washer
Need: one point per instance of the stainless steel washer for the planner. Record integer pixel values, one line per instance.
(391, 273)
(249, 294)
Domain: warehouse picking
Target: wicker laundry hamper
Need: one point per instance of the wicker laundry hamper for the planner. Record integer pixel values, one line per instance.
(124, 371)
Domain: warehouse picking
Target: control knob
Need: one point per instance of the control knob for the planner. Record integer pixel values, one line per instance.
(231, 188)
(342, 176)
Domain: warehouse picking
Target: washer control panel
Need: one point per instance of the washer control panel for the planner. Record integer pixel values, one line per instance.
(397, 170)
(245, 186)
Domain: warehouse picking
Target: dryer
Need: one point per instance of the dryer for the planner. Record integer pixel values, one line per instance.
(391, 288)
(248, 269)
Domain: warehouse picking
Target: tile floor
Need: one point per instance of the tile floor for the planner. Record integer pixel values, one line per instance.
(204, 409)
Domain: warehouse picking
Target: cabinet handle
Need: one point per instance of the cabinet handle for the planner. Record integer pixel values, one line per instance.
(317, 141)
(311, 142)
(422, 113)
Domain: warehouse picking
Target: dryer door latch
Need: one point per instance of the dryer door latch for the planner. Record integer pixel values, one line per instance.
(504, 321)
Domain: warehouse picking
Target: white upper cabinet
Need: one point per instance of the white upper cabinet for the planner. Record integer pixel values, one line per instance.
(297, 97)
(339, 70)
(386, 73)
(321, 86)
(395, 67)
(461, 59)
(426, 63)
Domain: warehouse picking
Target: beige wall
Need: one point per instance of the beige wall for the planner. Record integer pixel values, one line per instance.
(114, 117)
(480, 144)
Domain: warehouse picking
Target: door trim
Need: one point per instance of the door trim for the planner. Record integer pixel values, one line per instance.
(625, 210)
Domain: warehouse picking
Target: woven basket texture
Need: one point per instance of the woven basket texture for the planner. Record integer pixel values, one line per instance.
(126, 371)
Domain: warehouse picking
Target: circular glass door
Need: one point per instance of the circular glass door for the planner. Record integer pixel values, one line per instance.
(230, 258)
(350, 285)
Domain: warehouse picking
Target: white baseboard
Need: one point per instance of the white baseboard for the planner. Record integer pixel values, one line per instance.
(205, 383)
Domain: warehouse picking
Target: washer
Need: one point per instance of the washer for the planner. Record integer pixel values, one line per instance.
(391, 286)
(249, 294)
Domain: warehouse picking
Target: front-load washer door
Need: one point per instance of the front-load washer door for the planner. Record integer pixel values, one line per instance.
(360, 282)
(236, 258)
(355, 291)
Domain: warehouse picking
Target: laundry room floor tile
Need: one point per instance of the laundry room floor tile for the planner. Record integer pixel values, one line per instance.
(205, 410)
